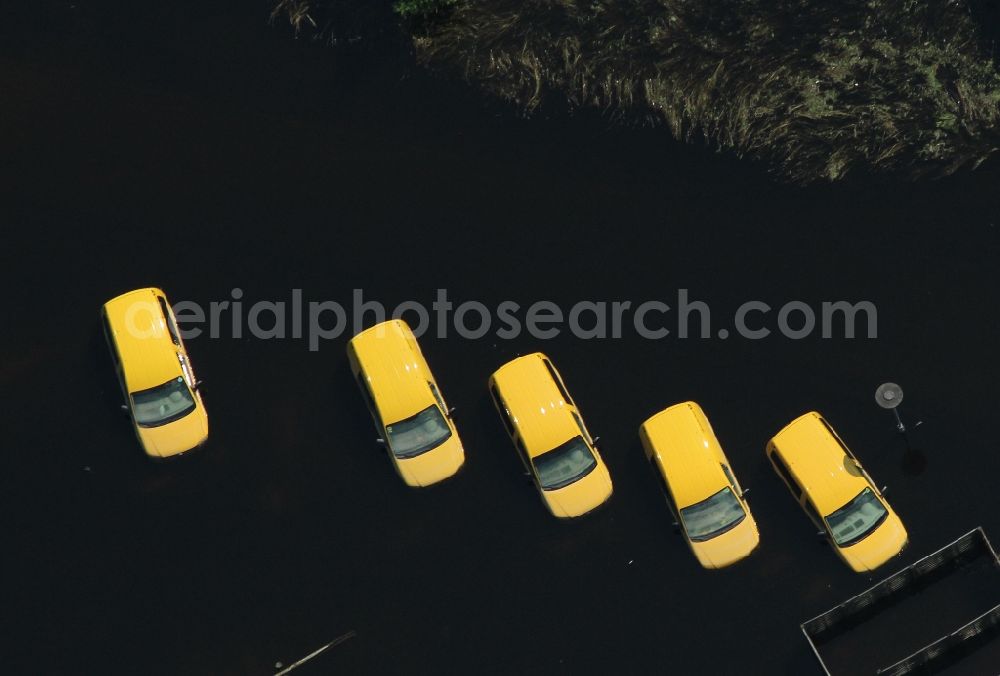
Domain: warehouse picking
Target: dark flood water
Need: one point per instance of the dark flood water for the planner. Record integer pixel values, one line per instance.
(943, 605)
(187, 145)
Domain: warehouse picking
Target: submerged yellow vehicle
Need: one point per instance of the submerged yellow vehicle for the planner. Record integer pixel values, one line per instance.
(836, 492)
(411, 418)
(549, 435)
(155, 374)
(700, 486)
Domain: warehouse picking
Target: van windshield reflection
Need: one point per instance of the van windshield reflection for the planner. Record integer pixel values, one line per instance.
(162, 404)
(857, 519)
(564, 464)
(418, 434)
(712, 516)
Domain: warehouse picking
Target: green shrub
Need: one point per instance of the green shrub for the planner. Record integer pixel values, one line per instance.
(421, 8)
(814, 89)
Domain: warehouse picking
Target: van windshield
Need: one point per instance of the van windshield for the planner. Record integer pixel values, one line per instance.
(162, 404)
(858, 518)
(564, 464)
(418, 434)
(712, 516)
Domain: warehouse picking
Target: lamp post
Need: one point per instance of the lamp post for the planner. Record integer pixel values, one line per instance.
(890, 395)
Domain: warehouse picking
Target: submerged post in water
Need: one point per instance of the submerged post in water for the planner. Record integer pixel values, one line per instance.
(890, 396)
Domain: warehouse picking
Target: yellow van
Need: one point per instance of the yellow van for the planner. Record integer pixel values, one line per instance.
(549, 435)
(700, 486)
(412, 420)
(836, 492)
(155, 374)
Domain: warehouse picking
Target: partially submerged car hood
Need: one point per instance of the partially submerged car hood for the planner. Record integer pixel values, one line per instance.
(175, 437)
(878, 547)
(435, 465)
(729, 547)
(580, 496)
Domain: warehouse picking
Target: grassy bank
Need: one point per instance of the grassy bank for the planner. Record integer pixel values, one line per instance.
(815, 91)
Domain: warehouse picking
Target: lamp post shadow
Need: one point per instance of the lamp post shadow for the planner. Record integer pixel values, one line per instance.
(889, 396)
(914, 461)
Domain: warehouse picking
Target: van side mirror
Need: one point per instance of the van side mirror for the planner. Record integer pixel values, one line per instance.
(124, 408)
(821, 536)
(595, 441)
(885, 489)
(198, 384)
(746, 492)
(380, 441)
(677, 527)
(451, 411)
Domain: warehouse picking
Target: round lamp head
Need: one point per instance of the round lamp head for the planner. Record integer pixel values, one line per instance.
(889, 395)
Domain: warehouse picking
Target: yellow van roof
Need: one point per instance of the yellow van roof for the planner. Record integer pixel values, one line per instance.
(394, 369)
(817, 460)
(149, 357)
(688, 452)
(543, 418)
